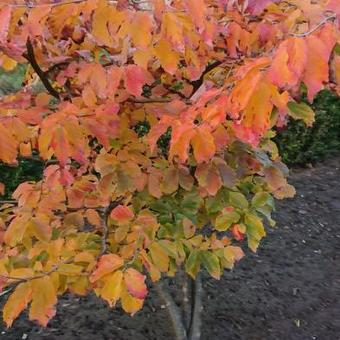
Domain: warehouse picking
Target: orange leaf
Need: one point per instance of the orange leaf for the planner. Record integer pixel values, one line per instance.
(93, 217)
(168, 58)
(203, 144)
(44, 299)
(135, 284)
(317, 69)
(122, 214)
(107, 264)
(5, 17)
(8, 146)
(89, 97)
(197, 9)
(135, 78)
(289, 63)
(140, 30)
(2, 189)
(17, 302)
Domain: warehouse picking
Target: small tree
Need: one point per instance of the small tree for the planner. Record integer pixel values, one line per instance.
(154, 122)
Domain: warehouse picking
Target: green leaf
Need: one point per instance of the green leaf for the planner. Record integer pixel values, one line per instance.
(260, 199)
(255, 230)
(225, 220)
(301, 111)
(238, 200)
(169, 247)
(211, 264)
(192, 265)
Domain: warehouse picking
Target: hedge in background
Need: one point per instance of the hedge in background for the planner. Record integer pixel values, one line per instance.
(299, 145)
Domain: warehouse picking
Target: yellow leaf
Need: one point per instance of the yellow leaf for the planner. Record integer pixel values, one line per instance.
(140, 30)
(129, 303)
(100, 24)
(8, 64)
(159, 257)
(17, 302)
(168, 58)
(16, 230)
(44, 299)
(112, 288)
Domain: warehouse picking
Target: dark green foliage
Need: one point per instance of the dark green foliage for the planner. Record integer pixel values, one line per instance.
(299, 145)
(27, 170)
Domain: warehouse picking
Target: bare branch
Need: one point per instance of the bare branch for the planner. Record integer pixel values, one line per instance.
(105, 226)
(9, 202)
(41, 74)
(154, 100)
(319, 25)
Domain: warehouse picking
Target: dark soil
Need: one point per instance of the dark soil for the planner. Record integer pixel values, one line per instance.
(289, 290)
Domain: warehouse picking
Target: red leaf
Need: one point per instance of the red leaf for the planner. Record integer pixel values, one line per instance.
(122, 214)
(135, 284)
(135, 78)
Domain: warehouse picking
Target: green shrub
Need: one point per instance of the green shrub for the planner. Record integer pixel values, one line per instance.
(27, 170)
(299, 145)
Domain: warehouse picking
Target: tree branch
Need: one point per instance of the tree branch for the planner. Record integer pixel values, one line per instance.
(41, 74)
(9, 202)
(105, 234)
(154, 100)
(319, 25)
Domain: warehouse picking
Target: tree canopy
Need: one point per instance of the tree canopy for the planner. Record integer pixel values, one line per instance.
(154, 120)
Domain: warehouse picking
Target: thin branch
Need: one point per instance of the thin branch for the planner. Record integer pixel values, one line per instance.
(174, 311)
(319, 25)
(6, 291)
(29, 5)
(154, 100)
(41, 74)
(19, 280)
(9, 202)
(105, 226)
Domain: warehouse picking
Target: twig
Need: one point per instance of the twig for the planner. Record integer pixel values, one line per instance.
(154, 100)
(9, 202)
(28, 5)
(319, 25)
(41, 74)
(105, 234)
(196, 313)
(174, 311)
(19, 280)
(6, 291)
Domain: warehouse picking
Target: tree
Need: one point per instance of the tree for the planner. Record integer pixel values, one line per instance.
(154, 120)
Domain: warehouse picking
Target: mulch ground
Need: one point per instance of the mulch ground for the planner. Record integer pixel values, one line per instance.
(289, 290)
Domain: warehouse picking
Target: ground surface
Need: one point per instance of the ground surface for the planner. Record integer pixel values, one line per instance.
(289, 290)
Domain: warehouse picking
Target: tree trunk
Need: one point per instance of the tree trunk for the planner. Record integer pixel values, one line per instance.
(186, 321)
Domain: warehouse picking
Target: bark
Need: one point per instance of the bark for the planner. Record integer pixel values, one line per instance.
(174, 311)
(197, 308)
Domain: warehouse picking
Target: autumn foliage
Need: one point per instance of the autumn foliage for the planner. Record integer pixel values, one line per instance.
(154, 119)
